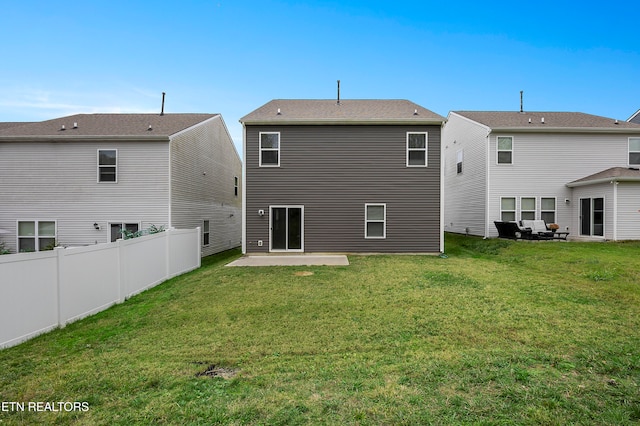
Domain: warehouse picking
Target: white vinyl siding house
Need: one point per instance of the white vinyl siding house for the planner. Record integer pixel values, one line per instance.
(550, 155)
(93, 184)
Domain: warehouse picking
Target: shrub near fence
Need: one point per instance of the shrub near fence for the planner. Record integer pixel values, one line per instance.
(44, 290)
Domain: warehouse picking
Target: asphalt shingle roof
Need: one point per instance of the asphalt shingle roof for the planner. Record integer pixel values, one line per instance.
(348, 111)
(92, 125)
(614, 173)
(553, 120)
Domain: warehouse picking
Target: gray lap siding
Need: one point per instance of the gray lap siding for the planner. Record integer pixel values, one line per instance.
(333, 171)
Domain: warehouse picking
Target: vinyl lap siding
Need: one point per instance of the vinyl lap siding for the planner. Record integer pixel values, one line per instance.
(333, 171)
(204, 163)
(628, 218)
(544, 163)
(465, 193)
(58, 181)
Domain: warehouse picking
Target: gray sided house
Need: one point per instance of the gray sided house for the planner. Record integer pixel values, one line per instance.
(573, 169)
(635, 118)
(82, 179)
(354, 176)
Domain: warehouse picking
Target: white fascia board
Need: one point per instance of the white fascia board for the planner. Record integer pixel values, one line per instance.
(102, 138)
(603, 180)
(311, 122)
(598, 130)
(477, 123)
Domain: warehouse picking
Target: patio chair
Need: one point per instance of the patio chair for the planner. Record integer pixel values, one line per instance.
(512, 231)
(540, 229)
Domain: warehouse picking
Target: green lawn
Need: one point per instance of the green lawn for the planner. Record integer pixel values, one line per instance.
(499, 332)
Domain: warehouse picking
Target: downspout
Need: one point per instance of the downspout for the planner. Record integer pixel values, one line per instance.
(441, 188)
(487, 186)
(615, 210)
(169, 212)
(244, 189)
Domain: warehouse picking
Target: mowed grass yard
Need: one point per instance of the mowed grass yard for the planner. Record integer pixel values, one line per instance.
(499, 332)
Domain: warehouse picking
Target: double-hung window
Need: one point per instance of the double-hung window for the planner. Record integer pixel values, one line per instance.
(36, 235)
(548, 209)
(505, 149)
(527, 208)
(107, 165)
(634, 151)
(205, 233)
(269, 149)
(416, 149)
(459, 162)
(375, 218)
(508, 209)
(235, 186)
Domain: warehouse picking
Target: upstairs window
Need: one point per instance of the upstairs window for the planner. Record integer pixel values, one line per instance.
(416, 149)
(634, 151)
(375, 221)
(235, 186)
(36, 235)
(107, 165)
(505, 150)
(459, 162)
(269, 149)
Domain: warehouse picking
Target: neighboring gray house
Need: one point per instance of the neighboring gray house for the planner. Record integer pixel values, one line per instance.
(80, 180)
(573, 169)
(635, 118)
(342, 176)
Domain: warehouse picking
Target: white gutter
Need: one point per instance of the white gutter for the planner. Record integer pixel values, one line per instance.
(343, 121)
(538, 129)
(603, 180)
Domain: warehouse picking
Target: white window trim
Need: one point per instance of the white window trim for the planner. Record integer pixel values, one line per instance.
(630, 164)
(555, 210)
(367, 221)
(286, 206)
(425, 149)
(460, 160)
(206, 232)
(268, 149)
(99, 166)
(503, 150)
(121, 222)
(36, 236)
(535, 208)
(515, 207)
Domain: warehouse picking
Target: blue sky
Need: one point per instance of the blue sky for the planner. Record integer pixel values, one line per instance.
(230, 57)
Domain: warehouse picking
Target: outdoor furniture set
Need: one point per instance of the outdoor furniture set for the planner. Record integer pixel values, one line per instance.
(529, 230)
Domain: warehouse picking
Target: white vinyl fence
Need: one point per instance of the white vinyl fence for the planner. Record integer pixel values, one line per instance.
(44, 290)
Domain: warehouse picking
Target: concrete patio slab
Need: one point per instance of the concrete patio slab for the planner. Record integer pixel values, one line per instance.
(293, 260)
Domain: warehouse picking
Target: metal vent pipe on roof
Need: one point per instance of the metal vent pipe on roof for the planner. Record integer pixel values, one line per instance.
(162, 110)
(338, 92)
